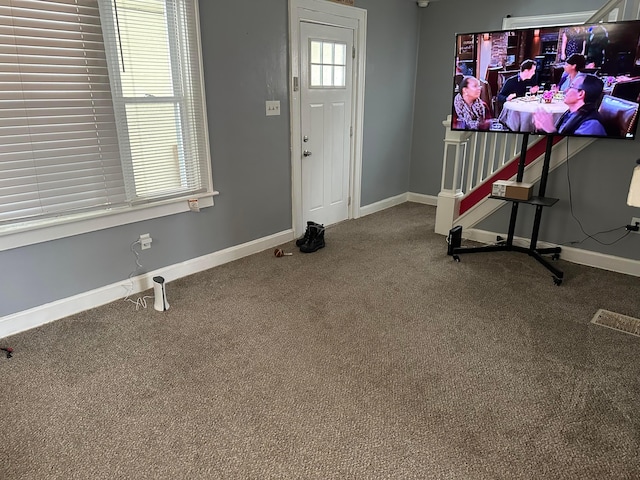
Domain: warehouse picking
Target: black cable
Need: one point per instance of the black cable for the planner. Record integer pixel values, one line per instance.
(576, 242)
(115, 9)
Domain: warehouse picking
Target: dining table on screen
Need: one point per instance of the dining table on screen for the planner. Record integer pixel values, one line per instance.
(517, 114)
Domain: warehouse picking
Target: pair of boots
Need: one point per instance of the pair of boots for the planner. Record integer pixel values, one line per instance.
(313, 238)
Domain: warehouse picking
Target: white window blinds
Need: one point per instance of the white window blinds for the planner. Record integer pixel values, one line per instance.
(58, 138)
(101, 106)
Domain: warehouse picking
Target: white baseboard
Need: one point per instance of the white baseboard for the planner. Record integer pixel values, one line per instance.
(601, 260)
(34, 317)
(570, 254)
(424, 199)
(40, 315)
(397, 200)
(383, 204)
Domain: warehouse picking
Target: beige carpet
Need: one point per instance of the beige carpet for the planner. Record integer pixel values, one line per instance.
(377, 357)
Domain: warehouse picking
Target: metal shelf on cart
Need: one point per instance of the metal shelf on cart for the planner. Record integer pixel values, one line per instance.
(541, 201)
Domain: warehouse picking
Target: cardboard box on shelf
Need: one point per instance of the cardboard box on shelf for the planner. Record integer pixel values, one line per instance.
(510, 189)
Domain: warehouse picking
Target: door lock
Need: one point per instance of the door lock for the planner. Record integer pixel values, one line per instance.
(306, 153)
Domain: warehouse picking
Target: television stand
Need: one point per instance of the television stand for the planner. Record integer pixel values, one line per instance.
(539, 202)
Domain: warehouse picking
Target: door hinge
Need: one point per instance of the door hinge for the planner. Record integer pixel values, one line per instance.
(351, 131)
(349, 202)
(296, 87)
(353, 52)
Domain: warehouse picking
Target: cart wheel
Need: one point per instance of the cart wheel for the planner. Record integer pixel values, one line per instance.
(555, 256)
(557, 281)
(456, 258)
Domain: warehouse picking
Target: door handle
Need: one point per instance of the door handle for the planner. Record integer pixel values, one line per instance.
(306, 153)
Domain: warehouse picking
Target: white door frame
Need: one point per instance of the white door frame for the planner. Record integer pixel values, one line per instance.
(326, 13)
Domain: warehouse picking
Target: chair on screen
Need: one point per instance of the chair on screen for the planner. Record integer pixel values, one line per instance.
(627, 90)
(492, 78)
(618, 116)
(486, 95)
(456, 81)
(556, 74)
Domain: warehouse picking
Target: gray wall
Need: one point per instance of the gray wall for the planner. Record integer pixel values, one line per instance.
(245, 50)
(388, 110)
(599, 176)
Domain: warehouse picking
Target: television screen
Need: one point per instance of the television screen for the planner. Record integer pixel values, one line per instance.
(571, 80)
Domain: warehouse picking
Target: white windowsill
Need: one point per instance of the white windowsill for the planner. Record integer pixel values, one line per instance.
(92, 221)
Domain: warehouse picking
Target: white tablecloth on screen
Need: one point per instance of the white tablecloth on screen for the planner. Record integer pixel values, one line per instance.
(517, 114)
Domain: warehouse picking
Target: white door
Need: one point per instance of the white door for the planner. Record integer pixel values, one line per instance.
(326, 67)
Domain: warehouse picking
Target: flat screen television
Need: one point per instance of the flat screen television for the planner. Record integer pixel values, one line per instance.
(579, 80)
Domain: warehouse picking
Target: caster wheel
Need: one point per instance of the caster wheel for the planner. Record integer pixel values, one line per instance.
(456, 258)
(557, 281)
(555, 256)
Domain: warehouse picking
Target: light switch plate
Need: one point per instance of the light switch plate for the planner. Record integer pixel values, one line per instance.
(273, 107)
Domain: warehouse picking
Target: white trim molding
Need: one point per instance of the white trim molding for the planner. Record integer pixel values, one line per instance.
(423, 199)
(570, 254)
(383, 204)
(326, 13)
(34, 317)
(96, 220)
(43, 314)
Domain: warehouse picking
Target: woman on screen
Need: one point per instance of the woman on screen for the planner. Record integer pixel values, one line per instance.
(572, 67)
(471, 113)
(573, 41)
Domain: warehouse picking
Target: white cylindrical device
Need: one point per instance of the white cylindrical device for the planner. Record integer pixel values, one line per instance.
(160, 294)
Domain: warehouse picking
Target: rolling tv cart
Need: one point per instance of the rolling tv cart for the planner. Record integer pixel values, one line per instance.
(539, 202)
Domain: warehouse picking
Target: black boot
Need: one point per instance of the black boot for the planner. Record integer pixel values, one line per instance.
(302, 240)
(315, 240)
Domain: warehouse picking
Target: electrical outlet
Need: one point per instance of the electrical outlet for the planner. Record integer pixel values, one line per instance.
(193, 205)
(635, 221)
(145, 241)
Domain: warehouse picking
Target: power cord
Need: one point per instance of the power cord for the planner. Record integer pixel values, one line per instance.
(140, 302)
(576, 242)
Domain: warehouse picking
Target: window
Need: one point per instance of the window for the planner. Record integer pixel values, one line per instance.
(101, 108)
(328, 64)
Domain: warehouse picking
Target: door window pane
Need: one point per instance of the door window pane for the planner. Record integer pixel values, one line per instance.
(341, 54)
(316, 52)
(328, 64)
(338, 76)
(327, 76)
(316, 75)
(327, 52)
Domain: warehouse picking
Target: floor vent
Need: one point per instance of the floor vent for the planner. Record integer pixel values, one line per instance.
(617, 321)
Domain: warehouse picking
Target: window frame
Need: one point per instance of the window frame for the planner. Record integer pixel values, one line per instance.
(33, 231)
(322, 64)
